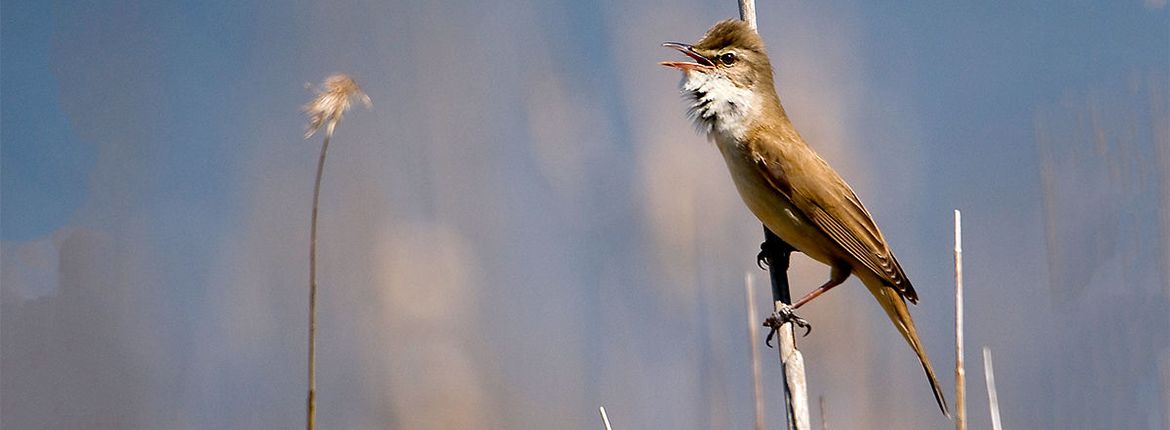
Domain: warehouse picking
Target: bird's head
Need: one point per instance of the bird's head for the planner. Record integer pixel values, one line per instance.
(730, 77)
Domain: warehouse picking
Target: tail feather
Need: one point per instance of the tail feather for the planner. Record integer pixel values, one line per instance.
(895, 307)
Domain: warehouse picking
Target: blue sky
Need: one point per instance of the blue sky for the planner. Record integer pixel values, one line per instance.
(525, 221)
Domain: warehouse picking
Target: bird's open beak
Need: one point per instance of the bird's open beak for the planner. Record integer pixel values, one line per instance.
(701, 63)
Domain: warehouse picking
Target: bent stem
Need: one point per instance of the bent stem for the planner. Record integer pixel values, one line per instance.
(311, 418)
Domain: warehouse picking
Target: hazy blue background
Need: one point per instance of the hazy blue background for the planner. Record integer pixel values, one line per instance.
(525, 226)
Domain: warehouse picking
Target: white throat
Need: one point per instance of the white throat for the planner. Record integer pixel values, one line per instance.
(718, 106)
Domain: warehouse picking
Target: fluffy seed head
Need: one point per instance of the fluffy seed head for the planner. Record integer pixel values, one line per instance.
(334, 98)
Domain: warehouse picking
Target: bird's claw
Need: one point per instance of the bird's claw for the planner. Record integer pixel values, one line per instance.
(762, 259)
(784, 314)
(770, 249)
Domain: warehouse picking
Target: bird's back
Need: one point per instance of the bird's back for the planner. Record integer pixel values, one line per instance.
(828, 202)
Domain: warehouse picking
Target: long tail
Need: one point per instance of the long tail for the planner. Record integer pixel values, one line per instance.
(895, 307)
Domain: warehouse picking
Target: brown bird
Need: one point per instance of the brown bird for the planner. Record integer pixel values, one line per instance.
(791, 189)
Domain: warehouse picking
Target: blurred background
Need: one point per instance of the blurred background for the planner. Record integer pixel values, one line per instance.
(526, 226)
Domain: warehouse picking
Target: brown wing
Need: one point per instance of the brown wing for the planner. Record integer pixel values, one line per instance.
(826, 200)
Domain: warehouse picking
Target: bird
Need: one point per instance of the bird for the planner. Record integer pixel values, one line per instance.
(730, 88)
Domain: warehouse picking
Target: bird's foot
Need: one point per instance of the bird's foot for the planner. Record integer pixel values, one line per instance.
(773, 249)
(762, 259)
(784, 314)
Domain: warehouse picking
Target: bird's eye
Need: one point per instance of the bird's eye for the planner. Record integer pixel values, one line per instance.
(727, 58)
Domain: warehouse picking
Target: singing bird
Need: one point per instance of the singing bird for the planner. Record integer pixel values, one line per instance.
(791, 189)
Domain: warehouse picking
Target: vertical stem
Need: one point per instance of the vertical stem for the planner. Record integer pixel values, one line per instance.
(747, 12)
(311, 413)
(960, 372)
(753, 336)
(779, 254)
(794, 379)
(992, 397)
(824, 416)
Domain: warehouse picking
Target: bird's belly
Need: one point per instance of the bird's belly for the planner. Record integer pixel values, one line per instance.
(774, 209)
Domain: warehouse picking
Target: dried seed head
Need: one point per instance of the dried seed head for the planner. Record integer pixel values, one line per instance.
(334, 97)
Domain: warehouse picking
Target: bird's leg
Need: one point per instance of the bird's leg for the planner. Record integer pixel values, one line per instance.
(838, 276)
(787, 313)
(776, 253)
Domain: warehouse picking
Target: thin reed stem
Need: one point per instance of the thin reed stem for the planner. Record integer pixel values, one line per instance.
(960, 371)
(824, 416)
(334, 97)
(311, 418)
(753, 337)
(795, 385)
(992, 396)
(604, 418)
(747, 12)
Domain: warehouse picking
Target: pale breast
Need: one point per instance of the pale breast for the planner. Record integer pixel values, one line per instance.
(769, 205)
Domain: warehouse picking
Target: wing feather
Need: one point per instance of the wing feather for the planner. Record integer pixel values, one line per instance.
(831, 205)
